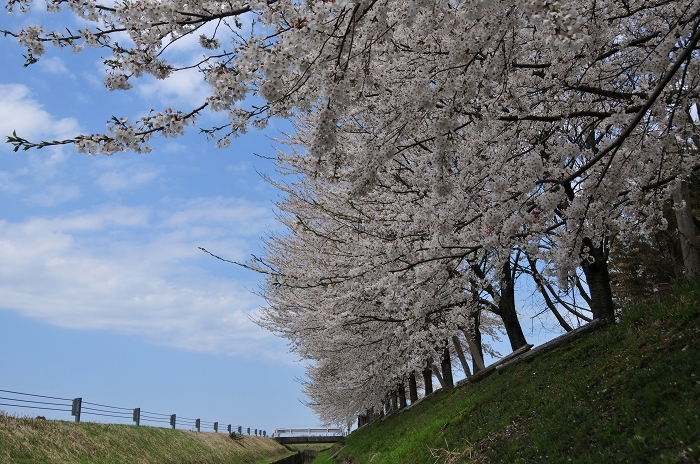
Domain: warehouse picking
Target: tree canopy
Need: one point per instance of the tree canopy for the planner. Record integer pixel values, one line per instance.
(447, 147)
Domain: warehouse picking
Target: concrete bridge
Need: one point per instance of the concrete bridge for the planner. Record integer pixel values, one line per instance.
(299, 436)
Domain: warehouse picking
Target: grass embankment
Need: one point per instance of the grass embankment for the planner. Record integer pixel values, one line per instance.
(26, 440)
(626, 393)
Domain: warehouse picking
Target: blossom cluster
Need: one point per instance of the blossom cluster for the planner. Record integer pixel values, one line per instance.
(448, 149)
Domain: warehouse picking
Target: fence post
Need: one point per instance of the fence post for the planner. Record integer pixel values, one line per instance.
(229, 429)
(196, 424)
(240, 430)
(75, 409)
(137, 416)
(248, 430)
(216, 426)
(173, 418)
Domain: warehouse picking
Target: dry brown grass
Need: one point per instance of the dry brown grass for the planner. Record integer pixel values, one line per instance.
(27, 440)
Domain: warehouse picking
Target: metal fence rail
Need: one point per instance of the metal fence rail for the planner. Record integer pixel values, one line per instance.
(78, 408)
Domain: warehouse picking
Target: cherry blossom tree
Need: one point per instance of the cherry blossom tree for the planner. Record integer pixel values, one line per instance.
(550, 104)
(338, 282)
(443, 137)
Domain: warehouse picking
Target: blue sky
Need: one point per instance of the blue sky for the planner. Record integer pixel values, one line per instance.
(103, 292)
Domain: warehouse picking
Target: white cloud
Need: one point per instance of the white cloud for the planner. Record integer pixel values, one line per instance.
(8, 183)
(173, 147)
(126, 179)
(138, 271)
(54, 65)
(182, 90)
(19, 112)
(241, 216)
(54, 194)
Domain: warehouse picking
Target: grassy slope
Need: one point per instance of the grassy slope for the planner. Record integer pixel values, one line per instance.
(628, 393)
(25, 440)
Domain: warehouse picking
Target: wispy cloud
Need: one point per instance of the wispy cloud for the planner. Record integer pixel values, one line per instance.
(138, 271)
(36, 171)
(8, 182)
(53, 195)
(22, 113)
(54, 65)
(126, 178)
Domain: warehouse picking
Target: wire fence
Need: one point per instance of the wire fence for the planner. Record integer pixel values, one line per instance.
(79, 408)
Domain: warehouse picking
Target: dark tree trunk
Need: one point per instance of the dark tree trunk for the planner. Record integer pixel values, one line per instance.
(506, 309)
(402, 396)
(687, 232)
(446, 367)
(412, 388)
(428, 380)
(598, 280)
(394, 402)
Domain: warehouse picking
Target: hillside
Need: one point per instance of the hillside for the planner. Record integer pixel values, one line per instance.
(626, 393)
(34, 441)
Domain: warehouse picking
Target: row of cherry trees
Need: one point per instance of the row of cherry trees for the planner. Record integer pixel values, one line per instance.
(380, 289)
(442, 151)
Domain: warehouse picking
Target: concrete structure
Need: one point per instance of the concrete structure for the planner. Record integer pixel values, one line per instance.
(301, 440)
(298, 436)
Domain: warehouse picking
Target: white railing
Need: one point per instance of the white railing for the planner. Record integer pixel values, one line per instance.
(308, 432)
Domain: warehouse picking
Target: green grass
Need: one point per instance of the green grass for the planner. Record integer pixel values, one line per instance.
(626, 393)
(324, 457)
(26, 440)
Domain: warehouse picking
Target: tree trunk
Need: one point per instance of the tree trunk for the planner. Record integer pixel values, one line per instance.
(543, 291)
(428, 380)
(394, 405)
(598, 280)
(402, 395)
(686, 231)
(438, 375)
(412, 387)
(474, 342)
(460, 354)
(506, 308)
(446, 366)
